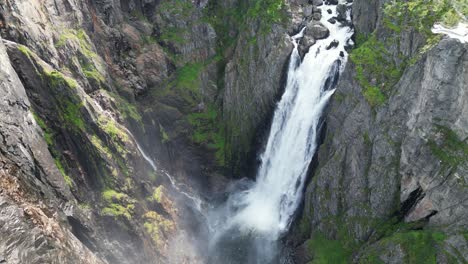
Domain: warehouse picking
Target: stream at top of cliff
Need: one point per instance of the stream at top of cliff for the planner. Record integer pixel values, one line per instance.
(248, 226)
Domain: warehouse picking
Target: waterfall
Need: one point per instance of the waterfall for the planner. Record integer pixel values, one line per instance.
(256, 214)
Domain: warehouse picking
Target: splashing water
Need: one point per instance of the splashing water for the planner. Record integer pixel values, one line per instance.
(257, 214)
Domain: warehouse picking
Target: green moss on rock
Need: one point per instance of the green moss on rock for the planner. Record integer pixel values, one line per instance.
(209, 130)
(325, 251)
(375, 69)
(117, 204)
(451, 150)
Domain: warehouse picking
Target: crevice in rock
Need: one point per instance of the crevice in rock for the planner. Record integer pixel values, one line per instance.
(406, 206)
(82, 233)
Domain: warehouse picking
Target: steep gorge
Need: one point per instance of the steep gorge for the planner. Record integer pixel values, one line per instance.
(195, 83)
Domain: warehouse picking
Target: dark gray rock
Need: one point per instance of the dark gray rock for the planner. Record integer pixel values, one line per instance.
(316, 2)
(341, 12)
(317, 31)
(317, 16)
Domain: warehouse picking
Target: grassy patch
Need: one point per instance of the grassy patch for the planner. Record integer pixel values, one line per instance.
(48, 137)
(327, 251)
(157, 194)
(149, 40)
(164, 135)
(48, 134)
(173, 34)
(209, 130)
(418, 14)
(90, 72)
(80, 37)
(117, 204)
(97, 142)
(112, 128)
(57, 79)
(268, 12)
(180, 9)
(450, 150)
(26, 51)
(187, 77)
(374, 96)
(60, 167)
(72, 115)
(375, 69)
(127, 109)
(157, 226)
(418, 245)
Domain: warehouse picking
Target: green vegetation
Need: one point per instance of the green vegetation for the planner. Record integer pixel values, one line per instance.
(181, 9)
(119, 137)
(209, 131)
(419, 14)
(156, 226)
(164, 135)
(173, 34)
(84, 206)
(269, 12)
(25, 50)
(112, 128)
(157, 194)
(139, 15)
(72, 115)
(100, 146)
(57, 79)
(127, 109)
(367, 139)
(418, 245)
(148, 40)
(117, 204)
(376, 72)
(187, 77)
(86, 60)
(451, 151)
(225, 21)
(48, 135)
(67, 178)
(90, 72)
(327, 251)
(461, 7)
(80, 37)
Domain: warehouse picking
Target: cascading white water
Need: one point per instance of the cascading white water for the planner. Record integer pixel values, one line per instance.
(267, 206)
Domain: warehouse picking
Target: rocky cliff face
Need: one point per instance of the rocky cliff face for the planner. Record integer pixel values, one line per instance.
(389, 185)
(85, 82)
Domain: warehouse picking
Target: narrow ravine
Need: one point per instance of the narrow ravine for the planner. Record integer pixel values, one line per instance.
(246, 229)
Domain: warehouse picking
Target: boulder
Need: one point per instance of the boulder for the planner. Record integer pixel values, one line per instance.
(316, 2)
(317, 30)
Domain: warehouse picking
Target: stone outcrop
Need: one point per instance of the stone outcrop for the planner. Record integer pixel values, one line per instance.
(393, 175)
